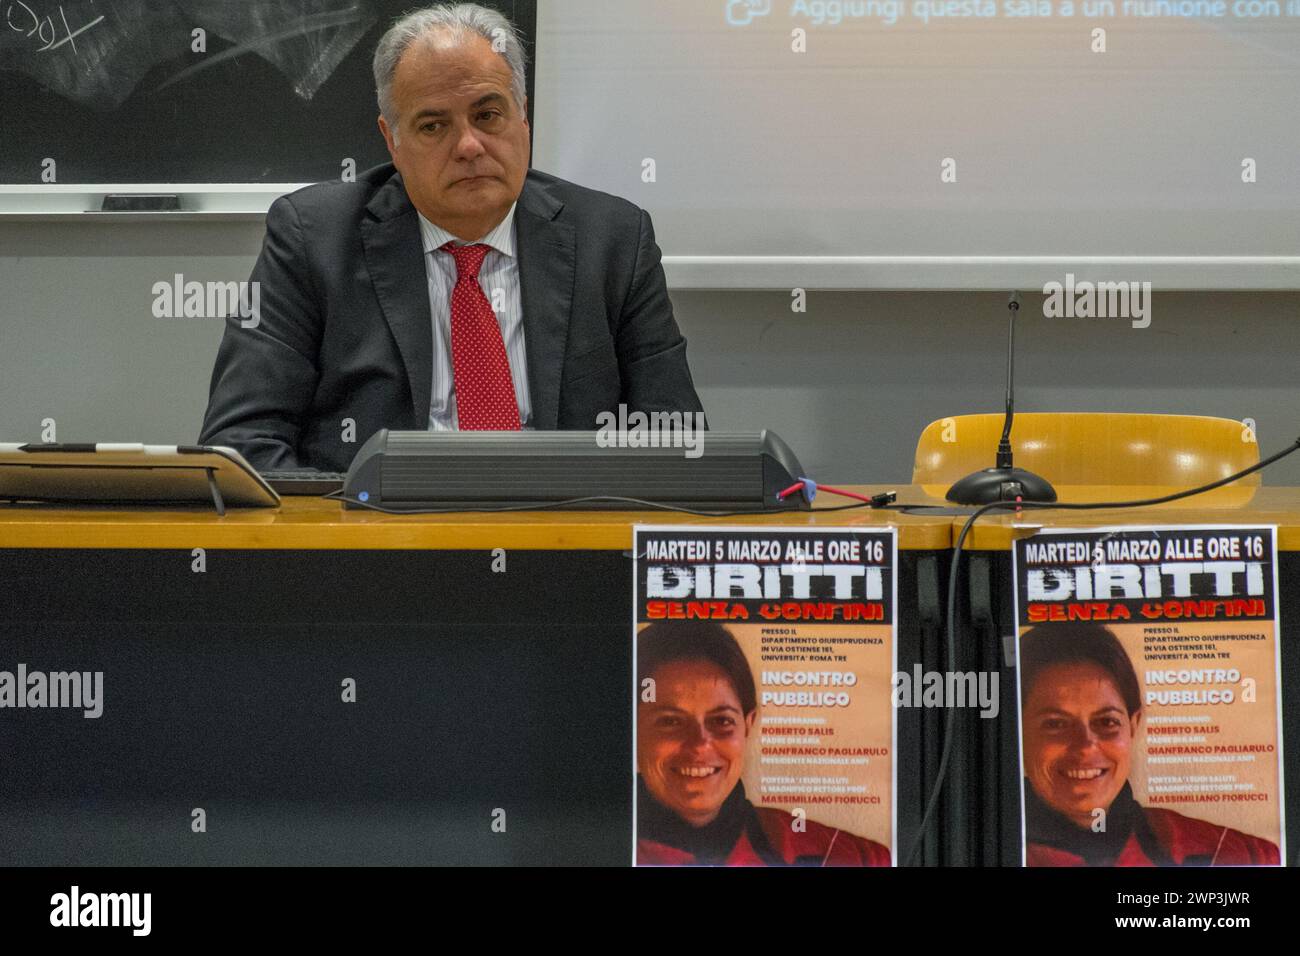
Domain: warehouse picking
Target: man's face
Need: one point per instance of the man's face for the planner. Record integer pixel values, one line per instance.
(461, 142)
(691, 739)
(1078, 739)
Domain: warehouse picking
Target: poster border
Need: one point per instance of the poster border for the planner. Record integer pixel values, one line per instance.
(1277, 652)
(891, 530)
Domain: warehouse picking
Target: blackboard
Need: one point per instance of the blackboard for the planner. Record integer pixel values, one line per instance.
(114, 92)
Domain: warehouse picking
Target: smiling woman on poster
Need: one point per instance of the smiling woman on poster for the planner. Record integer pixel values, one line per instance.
(1081, 711)
(691, 804)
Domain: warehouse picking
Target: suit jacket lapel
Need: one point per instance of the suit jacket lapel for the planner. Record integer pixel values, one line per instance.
(547, 267)
(395, 259)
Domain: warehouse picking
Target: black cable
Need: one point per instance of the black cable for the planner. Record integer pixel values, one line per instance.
(552, 505)
(950, 723)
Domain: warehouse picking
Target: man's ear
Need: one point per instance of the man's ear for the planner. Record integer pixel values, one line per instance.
(388, 138)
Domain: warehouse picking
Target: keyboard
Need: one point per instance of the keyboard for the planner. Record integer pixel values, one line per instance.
(304, 482)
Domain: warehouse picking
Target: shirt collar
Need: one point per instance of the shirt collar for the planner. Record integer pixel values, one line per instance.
(501, 238)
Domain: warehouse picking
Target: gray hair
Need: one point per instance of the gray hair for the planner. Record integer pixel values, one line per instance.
(461, 20)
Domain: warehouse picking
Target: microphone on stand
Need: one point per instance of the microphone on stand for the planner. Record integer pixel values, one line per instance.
(1004, 482)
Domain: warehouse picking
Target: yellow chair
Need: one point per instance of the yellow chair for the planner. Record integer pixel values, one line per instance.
(1118, 455)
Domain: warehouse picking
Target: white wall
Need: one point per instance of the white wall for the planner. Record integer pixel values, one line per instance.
(849, 384)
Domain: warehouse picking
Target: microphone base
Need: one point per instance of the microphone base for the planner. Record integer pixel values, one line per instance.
(1001, 484)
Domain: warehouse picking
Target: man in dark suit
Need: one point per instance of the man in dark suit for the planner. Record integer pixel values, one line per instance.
(376, 312)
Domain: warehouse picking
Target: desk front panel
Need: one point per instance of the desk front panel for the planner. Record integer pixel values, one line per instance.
(480, 697)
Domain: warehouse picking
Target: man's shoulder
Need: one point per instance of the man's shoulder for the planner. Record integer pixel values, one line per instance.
(571, 192)
(582, 202)
(339, 194)
(339, 197)
(337, 206)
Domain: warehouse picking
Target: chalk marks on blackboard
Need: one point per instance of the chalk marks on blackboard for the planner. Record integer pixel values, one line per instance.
(308, 63)
(46, 30)
(96, 52)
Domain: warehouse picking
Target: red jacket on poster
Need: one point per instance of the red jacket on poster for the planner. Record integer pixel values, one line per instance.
(745, 835)
(1139, 836)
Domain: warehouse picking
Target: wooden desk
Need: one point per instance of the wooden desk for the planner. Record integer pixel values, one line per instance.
(318, 523)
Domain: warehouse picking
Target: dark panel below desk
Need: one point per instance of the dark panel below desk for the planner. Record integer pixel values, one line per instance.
(450, 723)
(222, 690)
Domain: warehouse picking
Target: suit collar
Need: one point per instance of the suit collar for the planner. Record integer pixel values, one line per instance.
(546, 250)
(390, 200)
(500, 237)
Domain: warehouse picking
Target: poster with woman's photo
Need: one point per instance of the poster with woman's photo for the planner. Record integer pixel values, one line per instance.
(762, 713)
(1150, 697)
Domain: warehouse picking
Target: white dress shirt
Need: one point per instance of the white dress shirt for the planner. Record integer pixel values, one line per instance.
(500, 271)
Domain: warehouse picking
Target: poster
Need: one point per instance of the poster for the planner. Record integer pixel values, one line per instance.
(763, 727)
(1149, 681)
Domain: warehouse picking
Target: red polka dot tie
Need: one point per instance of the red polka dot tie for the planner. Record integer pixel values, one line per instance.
(485, 393)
